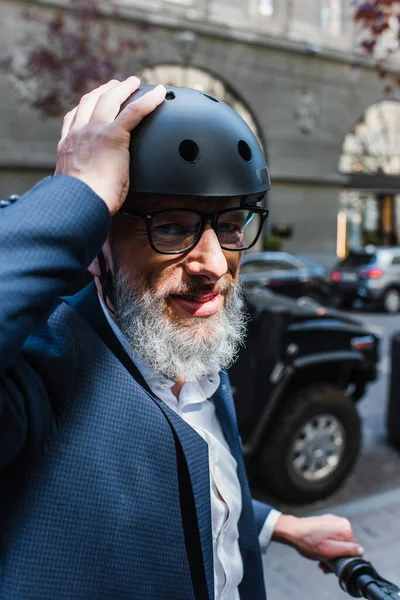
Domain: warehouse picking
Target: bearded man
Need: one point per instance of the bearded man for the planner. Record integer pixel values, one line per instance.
(121, 469)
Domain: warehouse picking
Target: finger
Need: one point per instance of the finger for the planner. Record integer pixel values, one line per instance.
(336, 548)
(109, 105)
(344, 531)
(324, 568)
(133, 114)
(88, 103)
(68, 120)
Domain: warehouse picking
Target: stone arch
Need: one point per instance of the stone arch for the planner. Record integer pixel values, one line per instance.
(205, 81)
(370, 160)
(373, 144)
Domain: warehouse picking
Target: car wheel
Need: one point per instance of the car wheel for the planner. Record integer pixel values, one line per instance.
(312, 445)
(391, 301)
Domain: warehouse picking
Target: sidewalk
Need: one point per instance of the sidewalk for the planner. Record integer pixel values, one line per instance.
(376, 524)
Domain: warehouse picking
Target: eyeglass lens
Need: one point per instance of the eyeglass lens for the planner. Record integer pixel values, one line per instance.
(174, 230)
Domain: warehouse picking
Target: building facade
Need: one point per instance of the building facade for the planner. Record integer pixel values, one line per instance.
(286, 65)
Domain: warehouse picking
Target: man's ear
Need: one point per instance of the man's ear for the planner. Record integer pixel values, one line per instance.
(94, 267)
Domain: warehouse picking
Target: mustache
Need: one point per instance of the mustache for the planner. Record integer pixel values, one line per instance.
(223, 287)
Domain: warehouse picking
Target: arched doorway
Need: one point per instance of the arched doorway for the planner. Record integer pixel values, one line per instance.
(200, 80)
(370, 204)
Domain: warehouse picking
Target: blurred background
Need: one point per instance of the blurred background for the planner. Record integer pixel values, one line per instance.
(318, 81)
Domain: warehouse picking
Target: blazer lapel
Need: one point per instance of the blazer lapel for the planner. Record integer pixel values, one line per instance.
(252, 586)
(193, 447)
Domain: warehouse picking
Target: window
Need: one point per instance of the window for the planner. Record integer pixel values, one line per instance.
(373, 146)
(331, 17)
(266, 7)
(358, 259)
(263, 266)
(285, 266)
(254, 267)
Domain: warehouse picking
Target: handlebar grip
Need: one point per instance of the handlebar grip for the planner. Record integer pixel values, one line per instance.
(348, 570)
(357, 577)
(338, 565)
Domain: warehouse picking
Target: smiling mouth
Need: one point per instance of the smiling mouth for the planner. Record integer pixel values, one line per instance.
(200, 298)
(200, 304)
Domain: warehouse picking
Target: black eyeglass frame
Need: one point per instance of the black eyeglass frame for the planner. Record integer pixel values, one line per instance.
(205, 218)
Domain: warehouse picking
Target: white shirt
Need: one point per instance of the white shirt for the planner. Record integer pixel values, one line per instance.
(195, 407)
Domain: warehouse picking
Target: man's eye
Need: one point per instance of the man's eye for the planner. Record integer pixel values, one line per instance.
(229, 227)
(169, 229)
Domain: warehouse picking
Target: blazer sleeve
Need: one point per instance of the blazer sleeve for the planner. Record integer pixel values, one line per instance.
(47, 237)
(261, 512)
(266, 518)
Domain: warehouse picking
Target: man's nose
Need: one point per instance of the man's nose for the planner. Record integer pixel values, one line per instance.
(207, 257)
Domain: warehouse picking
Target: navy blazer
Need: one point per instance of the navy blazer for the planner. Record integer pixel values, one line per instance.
(104, 491)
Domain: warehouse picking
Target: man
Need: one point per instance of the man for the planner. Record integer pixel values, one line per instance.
(122, 475)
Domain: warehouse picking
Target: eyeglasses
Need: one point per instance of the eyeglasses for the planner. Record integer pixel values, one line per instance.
(174, 231)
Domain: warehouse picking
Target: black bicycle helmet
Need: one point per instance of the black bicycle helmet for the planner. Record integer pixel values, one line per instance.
(195, 145)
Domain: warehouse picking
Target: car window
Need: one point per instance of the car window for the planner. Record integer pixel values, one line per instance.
(282, 265)
(396, 260)
(290, 262)
(261, 266)
(307, 263)
(256, 266)
(385, 257)
(358, 259)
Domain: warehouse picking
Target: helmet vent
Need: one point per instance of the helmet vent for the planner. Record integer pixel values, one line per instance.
(189, 151)
(209, 97)
(245, 150)
(170, 95)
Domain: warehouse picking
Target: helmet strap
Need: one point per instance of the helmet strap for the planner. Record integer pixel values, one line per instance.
(106, 281)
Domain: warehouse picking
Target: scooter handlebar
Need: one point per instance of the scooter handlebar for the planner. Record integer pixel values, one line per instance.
(358, 578)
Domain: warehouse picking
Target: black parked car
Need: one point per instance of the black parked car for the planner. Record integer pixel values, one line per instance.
(296, 386)
(286, 274)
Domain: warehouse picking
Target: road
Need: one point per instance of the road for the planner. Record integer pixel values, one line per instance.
(370, 497)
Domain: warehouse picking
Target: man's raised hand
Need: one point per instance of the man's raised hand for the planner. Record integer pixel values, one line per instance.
(94, 144)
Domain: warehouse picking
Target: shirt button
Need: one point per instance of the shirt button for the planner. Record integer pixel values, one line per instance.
(164, 386)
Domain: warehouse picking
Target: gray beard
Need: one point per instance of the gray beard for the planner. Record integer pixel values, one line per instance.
(194, 348)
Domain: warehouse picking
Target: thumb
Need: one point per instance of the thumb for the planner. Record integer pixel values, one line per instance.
(336, 548)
